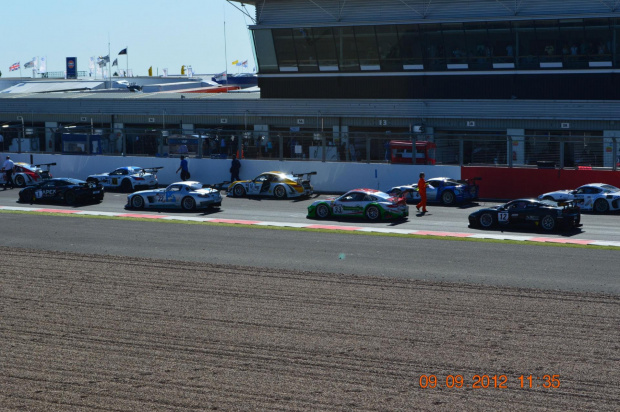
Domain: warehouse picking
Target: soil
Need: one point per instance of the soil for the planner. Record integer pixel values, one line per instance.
(95, 332)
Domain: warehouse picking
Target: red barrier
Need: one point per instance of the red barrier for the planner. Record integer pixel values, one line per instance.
(512, 183)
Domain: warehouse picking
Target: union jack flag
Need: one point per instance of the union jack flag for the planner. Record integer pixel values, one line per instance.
(14, 66)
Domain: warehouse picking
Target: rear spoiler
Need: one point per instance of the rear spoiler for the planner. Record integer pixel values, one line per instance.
(45, 164)
(151, 169)
(303, 174)
(467, 181)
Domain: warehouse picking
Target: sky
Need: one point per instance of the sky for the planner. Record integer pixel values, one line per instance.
(207, 35)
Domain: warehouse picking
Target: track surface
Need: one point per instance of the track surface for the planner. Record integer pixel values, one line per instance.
(89, 332)
(121, 316)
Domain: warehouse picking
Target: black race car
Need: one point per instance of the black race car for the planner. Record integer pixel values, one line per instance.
(545, 214)
(69, 191)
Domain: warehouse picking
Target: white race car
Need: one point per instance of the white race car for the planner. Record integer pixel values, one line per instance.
(128, 178)
(25, 174)
(181, 195)
(598, 197)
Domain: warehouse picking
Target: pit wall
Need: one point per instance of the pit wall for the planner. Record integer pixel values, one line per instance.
(511, 183)
(330, 177)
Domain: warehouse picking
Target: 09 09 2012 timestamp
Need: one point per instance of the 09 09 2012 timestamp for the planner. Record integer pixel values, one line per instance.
(486, 381)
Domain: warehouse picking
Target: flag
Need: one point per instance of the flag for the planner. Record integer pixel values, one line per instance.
(183, 70)
(235, 62)
(14, 66)
(105, 59)
(239, 63)
(190, 71)
(165, 72)
(30, 64)
(115, 62)
(124, 51)
(42, 65)
(245, 64)
(151, 71)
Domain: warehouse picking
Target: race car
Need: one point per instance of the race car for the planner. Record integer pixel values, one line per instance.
(545, 214)
(25, 174)
(274, 184)
(597, 197)
(128, 178)
(66, 190)
(186, 195)
(444, 190)
(361, 203)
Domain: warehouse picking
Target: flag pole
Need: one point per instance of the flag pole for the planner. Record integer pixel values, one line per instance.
(225, 50)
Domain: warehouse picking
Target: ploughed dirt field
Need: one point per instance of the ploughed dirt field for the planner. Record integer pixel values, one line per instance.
(87, 332)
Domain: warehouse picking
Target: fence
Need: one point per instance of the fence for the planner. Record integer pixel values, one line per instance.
(534, 150)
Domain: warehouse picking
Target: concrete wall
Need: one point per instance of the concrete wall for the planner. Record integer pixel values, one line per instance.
(330, 177)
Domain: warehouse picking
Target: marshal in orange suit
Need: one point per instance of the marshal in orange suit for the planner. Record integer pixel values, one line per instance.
(422, 191)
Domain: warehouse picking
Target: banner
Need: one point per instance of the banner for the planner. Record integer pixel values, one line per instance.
(71, 65)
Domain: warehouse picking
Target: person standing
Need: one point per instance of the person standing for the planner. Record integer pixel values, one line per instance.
(184, 168)
(422, 191)
(7, 168)
(234, 169)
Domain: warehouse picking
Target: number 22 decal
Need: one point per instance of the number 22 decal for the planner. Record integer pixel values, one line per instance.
(502, 217)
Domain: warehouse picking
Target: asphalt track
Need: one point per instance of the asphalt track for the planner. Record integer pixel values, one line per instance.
(112, 314)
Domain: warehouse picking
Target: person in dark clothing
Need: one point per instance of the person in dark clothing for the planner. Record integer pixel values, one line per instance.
(184, 168)
(234, 169)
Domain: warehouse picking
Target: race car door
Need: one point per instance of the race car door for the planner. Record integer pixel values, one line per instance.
(586, 195)
(47, 191)
(349, 204)
(114, 178)
(171, 197)
(432, 189)
(260, 185)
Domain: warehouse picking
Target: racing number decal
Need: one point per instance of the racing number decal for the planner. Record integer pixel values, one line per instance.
(502, 217)
(39, 194)
(337, 209)
(115, 180)
(160, 197)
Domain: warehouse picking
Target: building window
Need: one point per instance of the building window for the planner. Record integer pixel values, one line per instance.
(599, 40)
(305, 50)
(325, 49)
(572, 36)
(411, 47)
(526, 52)
(367, 48)
(455, 45)
(346, 49)
(285, 50)
(265, 51)
(389, 49)
(435, 55)
(478, 46)
(502, 44)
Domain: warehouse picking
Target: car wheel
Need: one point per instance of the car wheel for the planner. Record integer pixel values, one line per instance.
(601, 206)
(137, 202)
(70, 197)
(448, 198)
(486, 220)
(126, 186)
(25, 196)
(322, 211)
(279, 192)
(188, 203)
(547, 223)
(238, 191)
(20, 181)
(372, 213)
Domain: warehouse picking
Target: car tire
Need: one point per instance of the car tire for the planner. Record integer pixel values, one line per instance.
(70, 197)
(238, 191)
(322, 211)
(486, 221)
(548, 223)
(188, 203)
(448, 198)
(20, 181)
(126, 186)
(137, 202)
(372, 213)
(25, 196)
(279, 192)
(601, 206)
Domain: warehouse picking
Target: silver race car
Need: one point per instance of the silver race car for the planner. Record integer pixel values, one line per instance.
(181, 195)
(597, 197)
(127, 178)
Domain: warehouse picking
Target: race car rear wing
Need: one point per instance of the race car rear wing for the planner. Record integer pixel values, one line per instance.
(45, 164)
(300, 176)
(153, 170)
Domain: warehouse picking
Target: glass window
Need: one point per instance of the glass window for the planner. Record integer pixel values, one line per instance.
(598, 36)
(572, 36)
(526, 45)
(502, 43)
(285, 49)
(454, 42)
(306, 53)
(548, 44)
(389, 50)
(411, 47)
(367, 47)
(265, 51)
(346, 49)
(434, 49)
(478, 46)
(325, 48)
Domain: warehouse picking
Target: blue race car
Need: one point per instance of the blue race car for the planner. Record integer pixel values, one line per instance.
(443, 190)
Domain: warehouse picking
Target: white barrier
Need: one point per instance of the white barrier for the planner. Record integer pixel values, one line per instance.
(336, 177)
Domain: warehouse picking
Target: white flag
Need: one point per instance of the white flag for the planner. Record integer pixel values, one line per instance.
(165, 72)
(42, 65)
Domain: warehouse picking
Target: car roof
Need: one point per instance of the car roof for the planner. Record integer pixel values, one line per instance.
(371, 192)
